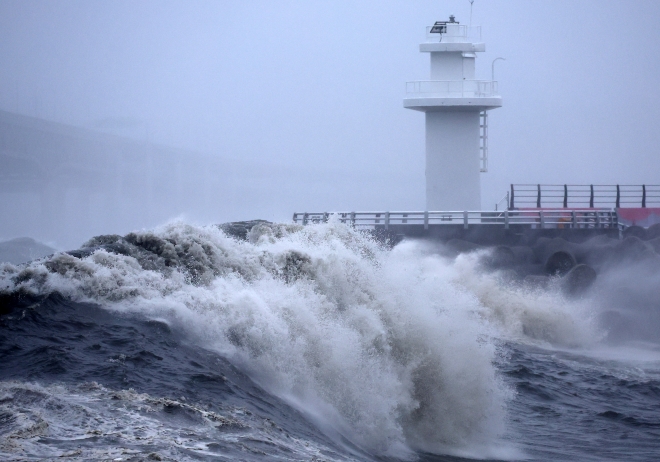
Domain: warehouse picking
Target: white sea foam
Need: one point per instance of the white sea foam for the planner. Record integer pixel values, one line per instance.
(394, 350)
(524, 314)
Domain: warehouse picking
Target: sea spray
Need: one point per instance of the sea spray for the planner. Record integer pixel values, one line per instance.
(385, 351)
(528, 314)
(393, 350)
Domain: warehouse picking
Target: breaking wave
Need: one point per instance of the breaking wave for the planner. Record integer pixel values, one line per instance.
(393, 350)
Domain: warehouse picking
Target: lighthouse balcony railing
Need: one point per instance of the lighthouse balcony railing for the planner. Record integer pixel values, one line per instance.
(454, 33)
(535, 219)
(452, 88)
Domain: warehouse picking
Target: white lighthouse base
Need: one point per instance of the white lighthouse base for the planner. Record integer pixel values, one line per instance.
(452, 160)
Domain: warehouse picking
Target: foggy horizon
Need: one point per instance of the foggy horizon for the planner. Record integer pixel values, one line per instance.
(303, 100)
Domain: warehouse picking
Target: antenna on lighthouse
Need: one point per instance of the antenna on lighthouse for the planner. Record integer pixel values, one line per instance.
(471, 3)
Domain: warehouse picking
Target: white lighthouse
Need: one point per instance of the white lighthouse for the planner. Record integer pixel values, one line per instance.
(455, 106)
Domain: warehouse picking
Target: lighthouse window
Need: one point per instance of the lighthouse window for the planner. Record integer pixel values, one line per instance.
(440, 27)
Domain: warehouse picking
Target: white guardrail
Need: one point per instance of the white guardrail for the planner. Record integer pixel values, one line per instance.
(452, 88)
(540, 219)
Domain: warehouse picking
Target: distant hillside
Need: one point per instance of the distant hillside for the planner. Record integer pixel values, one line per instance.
(23, 249)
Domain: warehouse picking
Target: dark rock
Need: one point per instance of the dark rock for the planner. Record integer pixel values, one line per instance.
(559, 263)
(240, 229)
(578, 279)
(104, 239)
(83, 252)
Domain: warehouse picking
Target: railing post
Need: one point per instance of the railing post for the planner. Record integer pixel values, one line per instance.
(573, 219)
(465, 219)
(538, 196)
(643, 196)
(511, 205)
(591, 197)
(326, 216)
(426, 219)
(618, 197)
(387, 220)
(541, 219)
(506, 219)
(353, 218)
(295, 217)
(615, 219)
(565, 196)
(305, 217)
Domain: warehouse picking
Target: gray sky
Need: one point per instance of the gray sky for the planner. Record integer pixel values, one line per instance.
(317, 87)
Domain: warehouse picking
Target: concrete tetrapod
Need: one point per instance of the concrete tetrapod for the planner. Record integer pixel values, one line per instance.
(636, 231)
(578, 279)
(500, 257)
(559, 263)
(653, 231)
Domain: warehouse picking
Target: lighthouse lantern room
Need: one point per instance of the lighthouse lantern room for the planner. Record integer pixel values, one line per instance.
(455, 106)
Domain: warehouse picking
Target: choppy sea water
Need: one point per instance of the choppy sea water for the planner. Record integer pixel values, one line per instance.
(317, 343)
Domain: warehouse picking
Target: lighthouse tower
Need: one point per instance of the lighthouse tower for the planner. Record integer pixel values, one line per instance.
(455, 106)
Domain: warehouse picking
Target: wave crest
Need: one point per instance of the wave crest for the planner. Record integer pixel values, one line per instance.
(389, 349)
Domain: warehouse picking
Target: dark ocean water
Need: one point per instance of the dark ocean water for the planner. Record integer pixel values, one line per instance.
(318, 344)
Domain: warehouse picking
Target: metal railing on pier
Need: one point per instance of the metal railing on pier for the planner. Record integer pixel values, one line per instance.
(539, 219)
(452, 88)
(571, 195)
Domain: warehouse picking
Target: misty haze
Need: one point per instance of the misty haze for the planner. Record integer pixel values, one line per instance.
(123, 115)
(306, 230)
